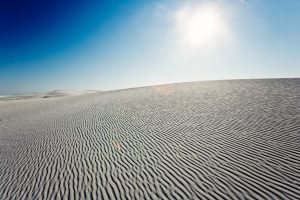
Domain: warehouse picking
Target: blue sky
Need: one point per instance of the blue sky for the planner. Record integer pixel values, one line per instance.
(104, 45)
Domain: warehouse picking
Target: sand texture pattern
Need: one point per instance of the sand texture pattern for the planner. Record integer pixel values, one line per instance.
(236, 139)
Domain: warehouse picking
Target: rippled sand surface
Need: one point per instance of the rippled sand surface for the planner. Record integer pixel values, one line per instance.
(235, 139)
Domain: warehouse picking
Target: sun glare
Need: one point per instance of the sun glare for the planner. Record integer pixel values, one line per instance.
(201, 26)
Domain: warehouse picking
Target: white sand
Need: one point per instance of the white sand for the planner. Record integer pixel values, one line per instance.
(219, 140)
(51, 94)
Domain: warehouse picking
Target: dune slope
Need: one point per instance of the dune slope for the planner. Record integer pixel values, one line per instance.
(236, 139)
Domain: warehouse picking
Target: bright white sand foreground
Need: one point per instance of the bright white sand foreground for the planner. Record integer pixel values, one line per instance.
(235, 139)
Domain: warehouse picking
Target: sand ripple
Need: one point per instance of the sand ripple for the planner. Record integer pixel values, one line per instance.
(203, 140)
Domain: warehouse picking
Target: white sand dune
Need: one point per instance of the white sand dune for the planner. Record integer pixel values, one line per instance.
(51, 94)
(236, 139)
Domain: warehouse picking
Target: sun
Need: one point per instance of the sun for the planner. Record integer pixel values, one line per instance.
(202, 25)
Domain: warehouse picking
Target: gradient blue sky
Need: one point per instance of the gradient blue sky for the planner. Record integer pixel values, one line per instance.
(93, 44)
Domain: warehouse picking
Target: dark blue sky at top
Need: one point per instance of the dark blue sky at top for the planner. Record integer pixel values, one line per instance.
(36, 28)
(96, 44)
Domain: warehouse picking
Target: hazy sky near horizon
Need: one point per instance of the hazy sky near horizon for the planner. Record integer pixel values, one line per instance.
(93, 44)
